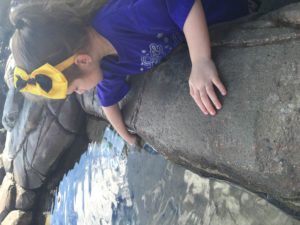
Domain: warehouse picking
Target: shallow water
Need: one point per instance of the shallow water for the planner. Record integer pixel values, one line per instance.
(109, 187)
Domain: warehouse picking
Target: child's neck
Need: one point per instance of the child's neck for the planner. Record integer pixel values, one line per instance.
(100, 46)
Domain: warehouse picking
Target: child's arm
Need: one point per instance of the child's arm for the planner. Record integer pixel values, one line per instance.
(114, 116)
(204, 73)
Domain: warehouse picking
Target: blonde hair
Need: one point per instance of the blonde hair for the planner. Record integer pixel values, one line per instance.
(50, 31)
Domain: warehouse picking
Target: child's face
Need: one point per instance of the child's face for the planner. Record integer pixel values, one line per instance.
(91, 75)
(86, 82)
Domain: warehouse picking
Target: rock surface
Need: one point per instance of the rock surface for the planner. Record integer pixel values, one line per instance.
(17, 217)
(5, 31)
(2, 170)
(25, 199)
(2, 139)
(36, 121)
(7, 196)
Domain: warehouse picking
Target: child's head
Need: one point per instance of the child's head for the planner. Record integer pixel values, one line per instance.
(48, 35)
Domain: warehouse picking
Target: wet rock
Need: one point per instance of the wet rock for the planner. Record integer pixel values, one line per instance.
(95, 129)
(12, 107)
(25, 199)
(5, 31)
(7, 196)
(90, 103)
(30, 171)
(2, 170)
(269, 5)
(17, 217)
(7, 161)
(2, 139)
(4, 18)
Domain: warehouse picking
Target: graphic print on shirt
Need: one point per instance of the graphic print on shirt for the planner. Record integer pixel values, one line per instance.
(157, 51)
(153, 57)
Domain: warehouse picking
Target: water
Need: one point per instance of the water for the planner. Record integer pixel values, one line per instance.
(109, 187)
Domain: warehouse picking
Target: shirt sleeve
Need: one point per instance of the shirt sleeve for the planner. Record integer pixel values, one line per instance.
(179, 10)
(111, 90)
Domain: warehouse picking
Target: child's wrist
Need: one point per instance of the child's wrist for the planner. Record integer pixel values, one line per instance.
(201, 60)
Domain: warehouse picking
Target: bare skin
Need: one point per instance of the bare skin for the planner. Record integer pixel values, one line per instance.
(203, 75)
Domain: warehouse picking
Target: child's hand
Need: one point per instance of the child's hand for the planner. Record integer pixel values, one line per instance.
(132, 139)
(203, 76)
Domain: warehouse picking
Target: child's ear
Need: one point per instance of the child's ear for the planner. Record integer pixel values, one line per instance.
(83, 59)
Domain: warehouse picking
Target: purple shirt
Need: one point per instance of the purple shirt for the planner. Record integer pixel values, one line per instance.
(144, 32)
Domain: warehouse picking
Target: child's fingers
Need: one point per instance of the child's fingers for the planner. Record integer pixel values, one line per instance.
(207, 102)
(212, 95)
(196, 96)
(218, 83)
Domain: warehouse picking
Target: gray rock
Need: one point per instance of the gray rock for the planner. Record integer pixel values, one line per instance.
(269, 5)
(7, 196)
(2, 170)
(25, 199)
(7, 161)
(12, 107)
(90, 103)
(41, 153)
(2, 139)
(95, 129)
(4, 18)
(17, 217)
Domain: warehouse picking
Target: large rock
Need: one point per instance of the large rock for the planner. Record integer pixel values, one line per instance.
(17, 217)
(25, 199)
(2, 170)
(7, 196)
(5, 31)
(30, 153)
(2, 139)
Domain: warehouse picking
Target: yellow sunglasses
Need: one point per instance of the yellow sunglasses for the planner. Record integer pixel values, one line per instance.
(46, 81)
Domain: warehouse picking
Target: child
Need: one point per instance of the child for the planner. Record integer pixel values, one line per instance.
(124, 37)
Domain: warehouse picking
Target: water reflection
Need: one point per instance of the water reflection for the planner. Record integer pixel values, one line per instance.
(108, 187)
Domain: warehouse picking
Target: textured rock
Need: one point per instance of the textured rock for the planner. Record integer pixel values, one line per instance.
(269, 5)
(7, 196)
(2, 170)
(17, 217)
(4, 19)
(5, 30)
(25, 199)
(90, 103)
(2, 139)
